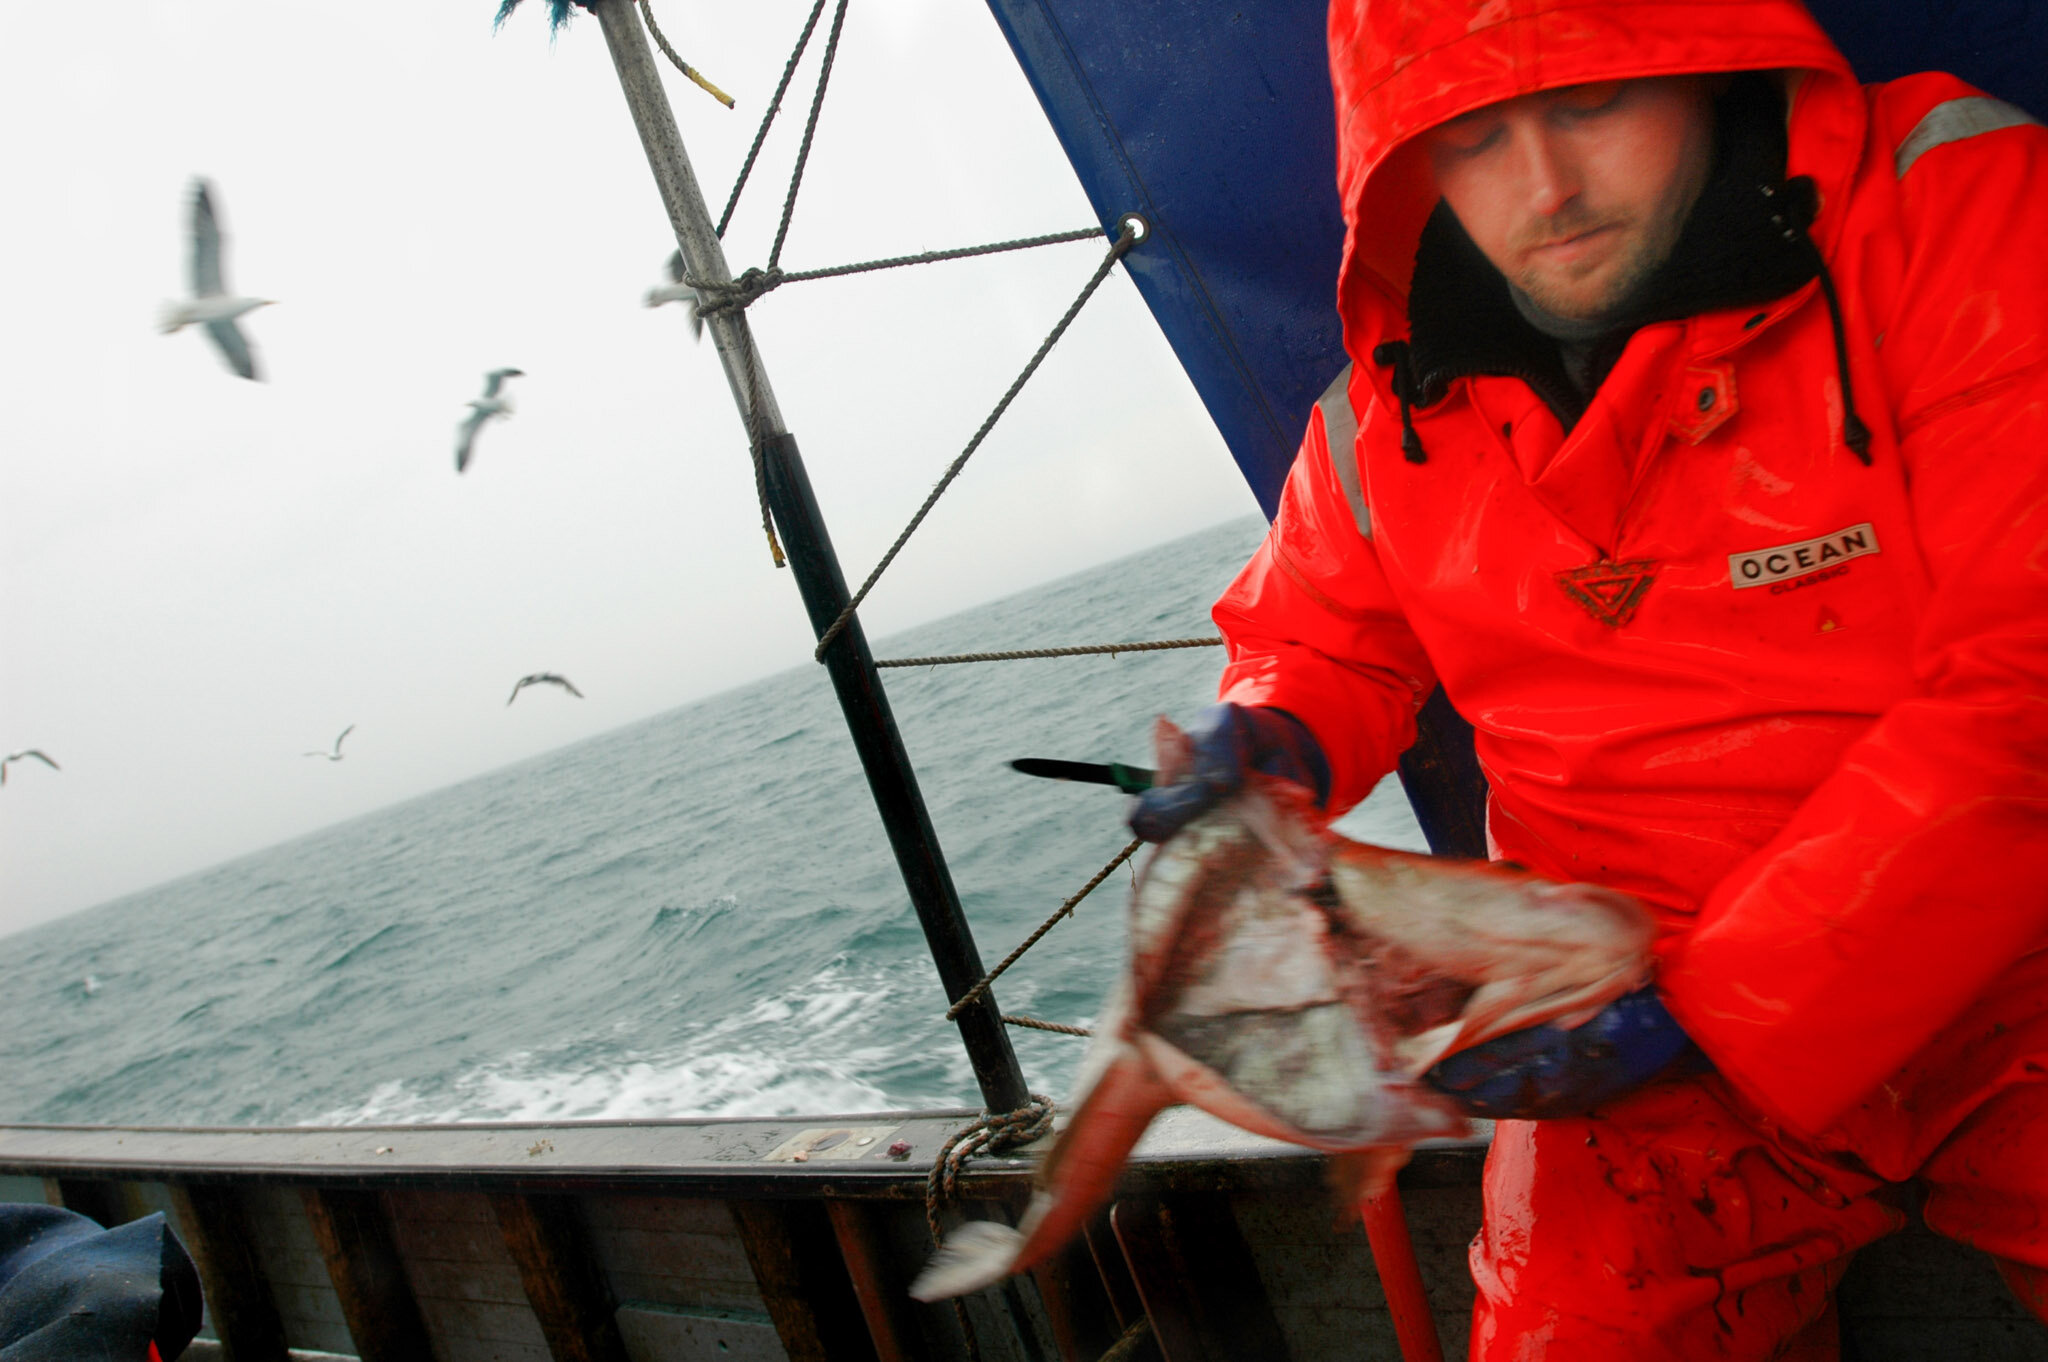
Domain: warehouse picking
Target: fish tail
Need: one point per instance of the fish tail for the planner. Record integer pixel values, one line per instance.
(1076, 1181)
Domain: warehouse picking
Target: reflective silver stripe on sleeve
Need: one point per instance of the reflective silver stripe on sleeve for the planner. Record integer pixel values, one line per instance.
(1954, 120)
(1340, 429)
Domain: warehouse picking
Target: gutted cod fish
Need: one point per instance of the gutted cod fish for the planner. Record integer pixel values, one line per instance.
(1297, 985)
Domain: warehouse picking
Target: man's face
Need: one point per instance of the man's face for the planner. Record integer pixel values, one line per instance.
(1577, 195)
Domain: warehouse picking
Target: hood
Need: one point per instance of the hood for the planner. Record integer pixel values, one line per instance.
(1401, 67)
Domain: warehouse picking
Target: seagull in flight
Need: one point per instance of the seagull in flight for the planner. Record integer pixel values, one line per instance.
(678, 290)
(543, 679)
(13, 757)
(482, 409)
(211, 305)
(335, 755)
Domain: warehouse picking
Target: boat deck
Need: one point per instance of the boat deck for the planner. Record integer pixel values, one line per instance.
(795, 1238)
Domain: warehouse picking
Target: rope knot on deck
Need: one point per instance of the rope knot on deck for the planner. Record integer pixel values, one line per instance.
(988, 1133)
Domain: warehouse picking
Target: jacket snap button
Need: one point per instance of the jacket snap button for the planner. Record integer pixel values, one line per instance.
(1706, 399)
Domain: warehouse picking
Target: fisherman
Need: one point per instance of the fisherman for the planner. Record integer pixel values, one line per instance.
(1696, 442)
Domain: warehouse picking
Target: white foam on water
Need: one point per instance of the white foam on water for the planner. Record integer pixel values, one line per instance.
(782, 1056)
(726, 1083)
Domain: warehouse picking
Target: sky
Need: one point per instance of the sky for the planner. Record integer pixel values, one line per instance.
(202, 578)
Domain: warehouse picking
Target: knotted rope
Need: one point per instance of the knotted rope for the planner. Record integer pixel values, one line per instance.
(988, 1133)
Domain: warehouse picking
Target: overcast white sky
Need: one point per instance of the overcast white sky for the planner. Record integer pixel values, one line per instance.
(201, 577)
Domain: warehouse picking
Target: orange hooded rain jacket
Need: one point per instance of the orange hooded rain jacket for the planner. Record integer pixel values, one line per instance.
(1795, 701)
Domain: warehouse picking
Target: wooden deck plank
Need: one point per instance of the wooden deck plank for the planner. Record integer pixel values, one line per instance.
(511, 1328)
(305, 1309)
(240, 1307)
(277, 1217)
(1198, 1279)
(368, 1275)
(452, 1206)
(283, 1239)
(484, 1283)
(699, 1256)
(880, 1284)
(658, 1333)
(1112, 1271)
(1076, 1304)
(108, 1202)
(560, 1277)
(804, 1283)
(1320, 1276)
(683, 1215)
(444, 1241)
(683, 1293)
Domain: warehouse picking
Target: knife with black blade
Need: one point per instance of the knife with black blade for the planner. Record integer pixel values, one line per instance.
(1129, 779)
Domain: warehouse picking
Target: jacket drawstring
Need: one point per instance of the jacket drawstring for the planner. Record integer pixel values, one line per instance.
(1395, 355)
(1855, 434)
(1801, 205)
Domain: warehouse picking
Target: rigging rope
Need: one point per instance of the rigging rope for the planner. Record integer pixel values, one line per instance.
(1037, 1025)
(1131, 229)
(661, 41)
(968, 998)
(774, 106)
(755, 283)
(803, 154)
(1022, 654)
(956, 253)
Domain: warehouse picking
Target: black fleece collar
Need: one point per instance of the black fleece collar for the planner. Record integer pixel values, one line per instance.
(1745, 243)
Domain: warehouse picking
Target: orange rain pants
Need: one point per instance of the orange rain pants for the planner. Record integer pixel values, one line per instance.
(1679, 1224)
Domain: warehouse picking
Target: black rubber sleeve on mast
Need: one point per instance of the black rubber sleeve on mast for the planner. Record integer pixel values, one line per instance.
(890, 778)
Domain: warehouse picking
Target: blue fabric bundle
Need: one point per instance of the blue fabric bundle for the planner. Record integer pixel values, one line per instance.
(71, 1290)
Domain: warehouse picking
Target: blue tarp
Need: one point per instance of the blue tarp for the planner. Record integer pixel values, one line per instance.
(1215, 122)
(73, 1292)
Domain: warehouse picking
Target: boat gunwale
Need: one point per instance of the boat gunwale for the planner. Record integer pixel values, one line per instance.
(1187, 1150)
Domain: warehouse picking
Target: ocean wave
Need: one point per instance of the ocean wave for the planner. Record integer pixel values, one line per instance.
(695, 915)
(720, 1083)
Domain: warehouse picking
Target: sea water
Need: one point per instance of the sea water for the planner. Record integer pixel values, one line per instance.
(697, 914)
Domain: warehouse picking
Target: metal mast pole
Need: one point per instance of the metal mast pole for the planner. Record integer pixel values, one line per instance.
(823, 586)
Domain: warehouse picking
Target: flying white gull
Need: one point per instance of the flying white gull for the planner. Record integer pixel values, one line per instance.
(13, 757)
(482, 409)
(335, 755)
(211, 305)
(678, 291)
(540, 679)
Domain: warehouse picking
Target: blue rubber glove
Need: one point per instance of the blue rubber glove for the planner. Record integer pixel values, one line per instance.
(1546, 1071)
(1230, 740)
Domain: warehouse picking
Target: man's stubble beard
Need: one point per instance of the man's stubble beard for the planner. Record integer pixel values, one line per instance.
(1643, 253)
